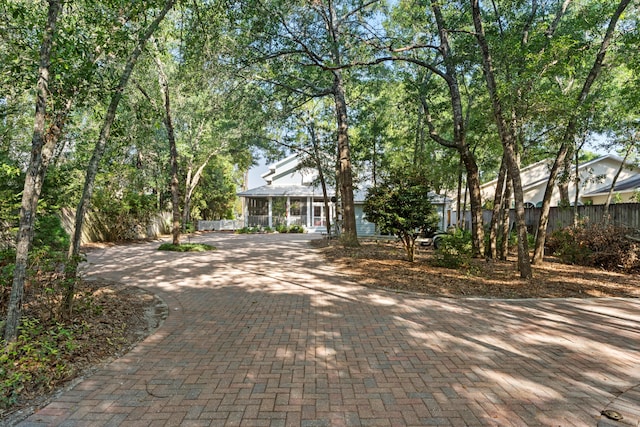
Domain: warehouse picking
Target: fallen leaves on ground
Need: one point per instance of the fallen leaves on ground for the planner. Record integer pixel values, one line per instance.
(383, 264)
(109, 319)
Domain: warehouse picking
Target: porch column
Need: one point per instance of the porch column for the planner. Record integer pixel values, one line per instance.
(310, 211)
(287, 213)
(245, 211)
(270, 212)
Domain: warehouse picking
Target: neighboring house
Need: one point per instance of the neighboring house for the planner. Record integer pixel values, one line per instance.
(596, 177)
(626, 190)
(290, 197)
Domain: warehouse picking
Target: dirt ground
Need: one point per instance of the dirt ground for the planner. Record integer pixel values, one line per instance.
(109, 319)
(383, 264)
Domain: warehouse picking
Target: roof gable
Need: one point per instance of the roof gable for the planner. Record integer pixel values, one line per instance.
(626, 185)
(538, 173)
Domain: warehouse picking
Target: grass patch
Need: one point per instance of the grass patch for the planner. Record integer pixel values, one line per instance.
(186, 247)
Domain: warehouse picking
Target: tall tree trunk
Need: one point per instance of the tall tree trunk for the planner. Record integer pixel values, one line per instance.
(345, 179)
(186, 214)
(576, 181)
(467, 157)
(374, 163)
(192, 182)
(570, 132)
(498, 200)
(173, 152)
(503, 250)
(42, 147)
(475, 200)
(103, 138)
(565, 178)
(563, 189)
(605, 213)
(418, 148)
(338, 203)
(105, 131)
(194, 178)
(508, 143)
(459, 212)
(323, 182)
(350, 234)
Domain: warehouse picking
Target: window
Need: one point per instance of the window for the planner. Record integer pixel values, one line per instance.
(294, 207)
(258, 206)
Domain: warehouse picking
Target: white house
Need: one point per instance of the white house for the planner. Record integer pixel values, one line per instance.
(596, 177)
(290, 197)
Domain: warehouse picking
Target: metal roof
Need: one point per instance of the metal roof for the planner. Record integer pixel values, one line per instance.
(628, 184)
(284, 191)
(359, 195)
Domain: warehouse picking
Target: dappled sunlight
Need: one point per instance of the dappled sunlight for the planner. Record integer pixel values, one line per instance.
(519, 387)
(326, 313)
(381, 300)
(494, 342)
(383, 266)
(266, 319)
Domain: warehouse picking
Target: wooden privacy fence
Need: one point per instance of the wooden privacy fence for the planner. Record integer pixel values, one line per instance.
(621, 214)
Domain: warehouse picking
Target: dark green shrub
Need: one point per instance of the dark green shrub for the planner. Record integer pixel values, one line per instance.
(454, 250)
(296, 229)
(7, 265)
(49, 272)
(33, 364)
(50, 234)
(261, 229)
(401, 205)
(122, 217)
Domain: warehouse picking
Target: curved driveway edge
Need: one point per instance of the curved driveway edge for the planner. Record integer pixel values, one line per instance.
(262, 332)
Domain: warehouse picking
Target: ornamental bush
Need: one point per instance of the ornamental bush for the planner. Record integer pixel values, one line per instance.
(401, 206)
(455, 250)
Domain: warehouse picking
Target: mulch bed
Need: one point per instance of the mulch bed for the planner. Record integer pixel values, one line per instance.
(383, 264)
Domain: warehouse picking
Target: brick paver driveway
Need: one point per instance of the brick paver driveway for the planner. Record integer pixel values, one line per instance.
(263, 333)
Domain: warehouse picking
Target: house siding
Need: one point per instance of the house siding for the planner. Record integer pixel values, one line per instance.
(593, 176)
(285, 181)
(363, 227)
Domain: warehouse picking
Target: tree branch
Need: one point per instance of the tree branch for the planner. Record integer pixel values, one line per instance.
(344, 17)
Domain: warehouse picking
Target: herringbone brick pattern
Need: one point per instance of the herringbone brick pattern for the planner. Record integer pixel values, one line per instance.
(261, 333)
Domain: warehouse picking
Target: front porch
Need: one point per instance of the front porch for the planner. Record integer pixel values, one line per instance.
(271, 211)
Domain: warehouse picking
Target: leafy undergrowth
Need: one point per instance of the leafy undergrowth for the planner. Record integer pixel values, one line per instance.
(108, 320)
(186, 247)
(383, 264)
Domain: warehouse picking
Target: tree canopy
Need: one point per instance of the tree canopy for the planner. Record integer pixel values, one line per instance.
(459, 92)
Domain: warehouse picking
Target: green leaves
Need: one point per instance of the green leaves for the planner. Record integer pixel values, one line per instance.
(401, 205)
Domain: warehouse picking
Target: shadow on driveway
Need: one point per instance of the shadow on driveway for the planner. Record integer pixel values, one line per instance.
(262, 332)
